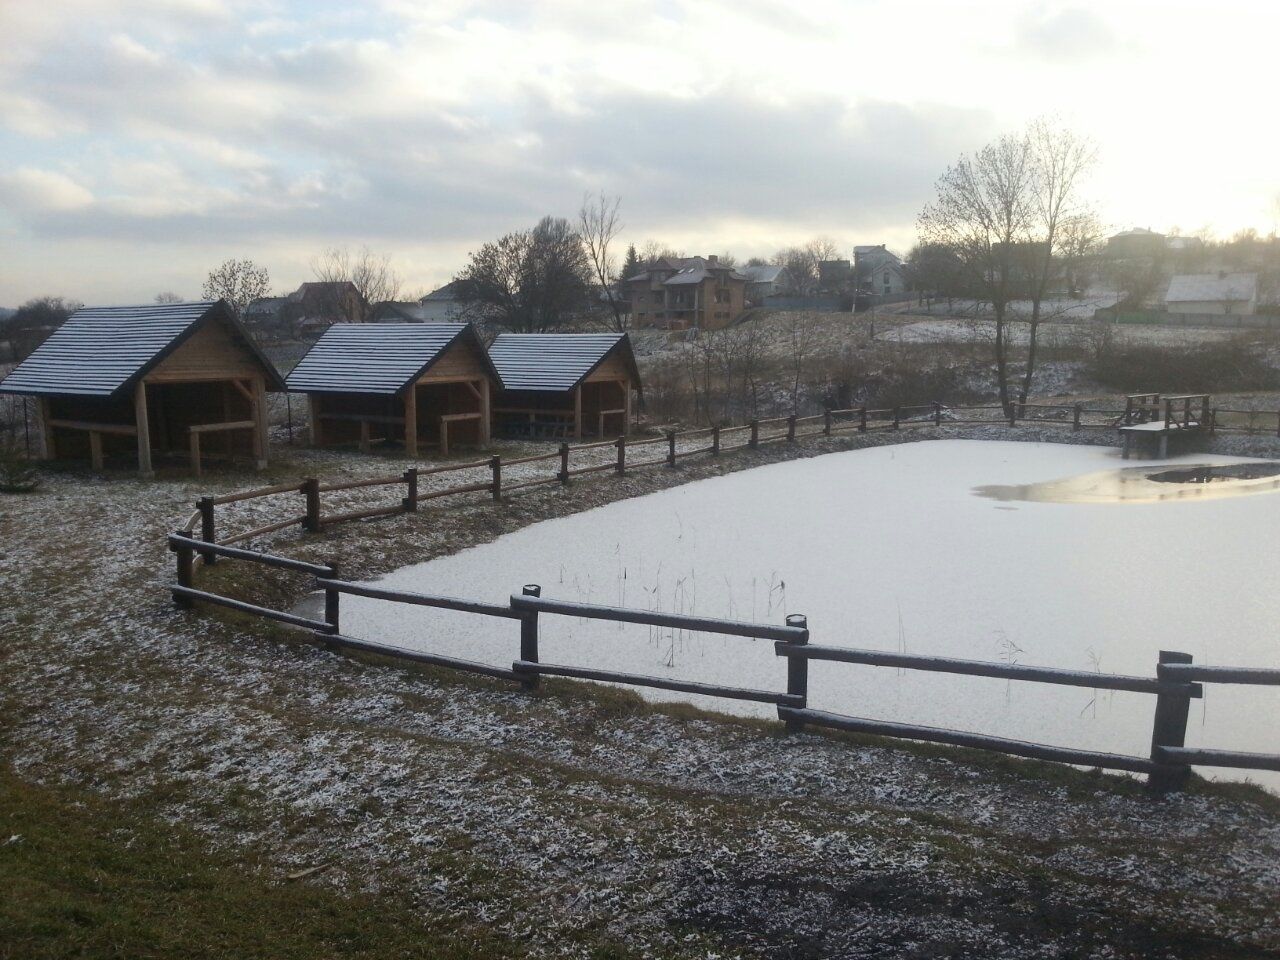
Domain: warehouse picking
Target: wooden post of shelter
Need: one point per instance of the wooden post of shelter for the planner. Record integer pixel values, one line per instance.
(144, 430)
(48, 449)
(626, 406)
(486, 412)
(315, 432)
(411, 421)
(577, 412)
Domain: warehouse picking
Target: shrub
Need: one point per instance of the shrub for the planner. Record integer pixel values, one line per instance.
(1207, 368)
(17, 474)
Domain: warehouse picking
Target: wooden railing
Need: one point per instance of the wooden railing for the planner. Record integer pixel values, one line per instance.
(1176, 683)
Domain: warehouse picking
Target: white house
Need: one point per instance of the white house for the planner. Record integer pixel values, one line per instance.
(1222, 292)
(444, 305)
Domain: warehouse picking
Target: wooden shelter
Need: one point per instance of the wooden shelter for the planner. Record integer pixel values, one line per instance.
(180, 378)
(565, 384)
(421, 381)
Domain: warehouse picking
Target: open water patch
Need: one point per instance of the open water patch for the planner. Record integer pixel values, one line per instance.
(1197, 481)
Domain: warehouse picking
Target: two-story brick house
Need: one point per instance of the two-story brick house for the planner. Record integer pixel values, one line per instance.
(679, 293)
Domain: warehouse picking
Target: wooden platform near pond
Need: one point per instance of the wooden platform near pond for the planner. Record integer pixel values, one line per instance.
(1150, 415)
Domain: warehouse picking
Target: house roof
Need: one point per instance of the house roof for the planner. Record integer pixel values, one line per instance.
(381, 358)
(1214, 287)
(334, 288)
(104, 351)
(555, 362)
(682, 266)
(453, 290)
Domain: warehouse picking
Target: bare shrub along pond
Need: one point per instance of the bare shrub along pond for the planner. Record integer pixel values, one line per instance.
(1037, 554)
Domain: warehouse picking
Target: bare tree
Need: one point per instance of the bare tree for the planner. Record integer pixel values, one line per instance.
(1005, 214)
(370, 273)
(652, 250)
(239, 282)
(168, 297)
(598, 224)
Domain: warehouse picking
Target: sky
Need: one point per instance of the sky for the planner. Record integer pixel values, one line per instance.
(142, 142)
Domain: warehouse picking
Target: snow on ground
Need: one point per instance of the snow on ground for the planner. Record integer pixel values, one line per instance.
(892, 549)
(556, 817)
(1052, 334)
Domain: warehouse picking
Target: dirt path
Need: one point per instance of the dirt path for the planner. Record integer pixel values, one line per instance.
(590, 825)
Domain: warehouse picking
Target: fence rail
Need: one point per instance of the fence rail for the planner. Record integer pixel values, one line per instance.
(1177, 681)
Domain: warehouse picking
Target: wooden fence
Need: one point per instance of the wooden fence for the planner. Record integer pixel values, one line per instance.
(714, 441)
(1176, 683)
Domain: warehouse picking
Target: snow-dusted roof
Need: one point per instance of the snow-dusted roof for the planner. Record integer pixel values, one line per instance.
(103, 351)
(1212, 287)
(381, 358)
(554, 362)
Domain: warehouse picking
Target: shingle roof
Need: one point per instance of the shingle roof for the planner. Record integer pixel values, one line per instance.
(1233, 287)
(102, 351)
(554, 362)
(381, 358)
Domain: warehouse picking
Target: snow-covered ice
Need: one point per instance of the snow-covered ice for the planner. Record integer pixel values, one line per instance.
(893, 548)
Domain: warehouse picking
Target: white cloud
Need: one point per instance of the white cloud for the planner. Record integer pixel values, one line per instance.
(32, 190)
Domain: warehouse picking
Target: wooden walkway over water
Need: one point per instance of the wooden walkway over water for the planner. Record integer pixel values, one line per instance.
(1150, 415)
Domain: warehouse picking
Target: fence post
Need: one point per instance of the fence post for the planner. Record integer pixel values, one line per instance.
(331, 601)
(1075, 417)
(798, 671)
(186, 570)
(937, 414)
(862, 420)
(529, 636)
(495, 465)
(755, 435)
(897, 419)
(564, 463)
(671, 448)
(410, 501)
(791, 428)
(311, 490)
(1013, 414)
(207, 533)
(826, 422)
(1169, 728)
(622, 455)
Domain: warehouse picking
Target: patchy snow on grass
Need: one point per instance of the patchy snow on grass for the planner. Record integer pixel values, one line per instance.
(891, 549)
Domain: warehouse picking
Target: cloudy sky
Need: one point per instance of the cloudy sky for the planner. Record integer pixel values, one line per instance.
(144, 141)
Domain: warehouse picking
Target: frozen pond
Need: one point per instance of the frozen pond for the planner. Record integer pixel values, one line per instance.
(947, 547)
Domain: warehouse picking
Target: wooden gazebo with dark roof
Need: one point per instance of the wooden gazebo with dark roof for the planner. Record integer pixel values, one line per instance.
(182, 378)
(562, 384)
(424, 381)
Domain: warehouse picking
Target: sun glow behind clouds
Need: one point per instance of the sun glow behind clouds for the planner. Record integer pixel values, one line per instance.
(271, 129)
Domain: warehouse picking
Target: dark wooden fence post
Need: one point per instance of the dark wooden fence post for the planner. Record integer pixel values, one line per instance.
(311, 491)
(495, 465)
(186, 570)
(798, 671)
(671, 448)
(207, 531)
(622, 455)
(897, 418)
(791, 428)
(826, 422)
(1169, 728)
(862, 420)
(410, 500)
(937, 414)
(1013, 414)
(1075, 417)
(755, 435)
(529, 635)
(564, 463)
(715, 440)
(331, 602)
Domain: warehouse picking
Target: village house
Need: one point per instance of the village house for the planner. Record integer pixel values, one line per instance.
(763, 280)
(678, 293)
(446, 304)
(879, 271)
(1213, 293)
